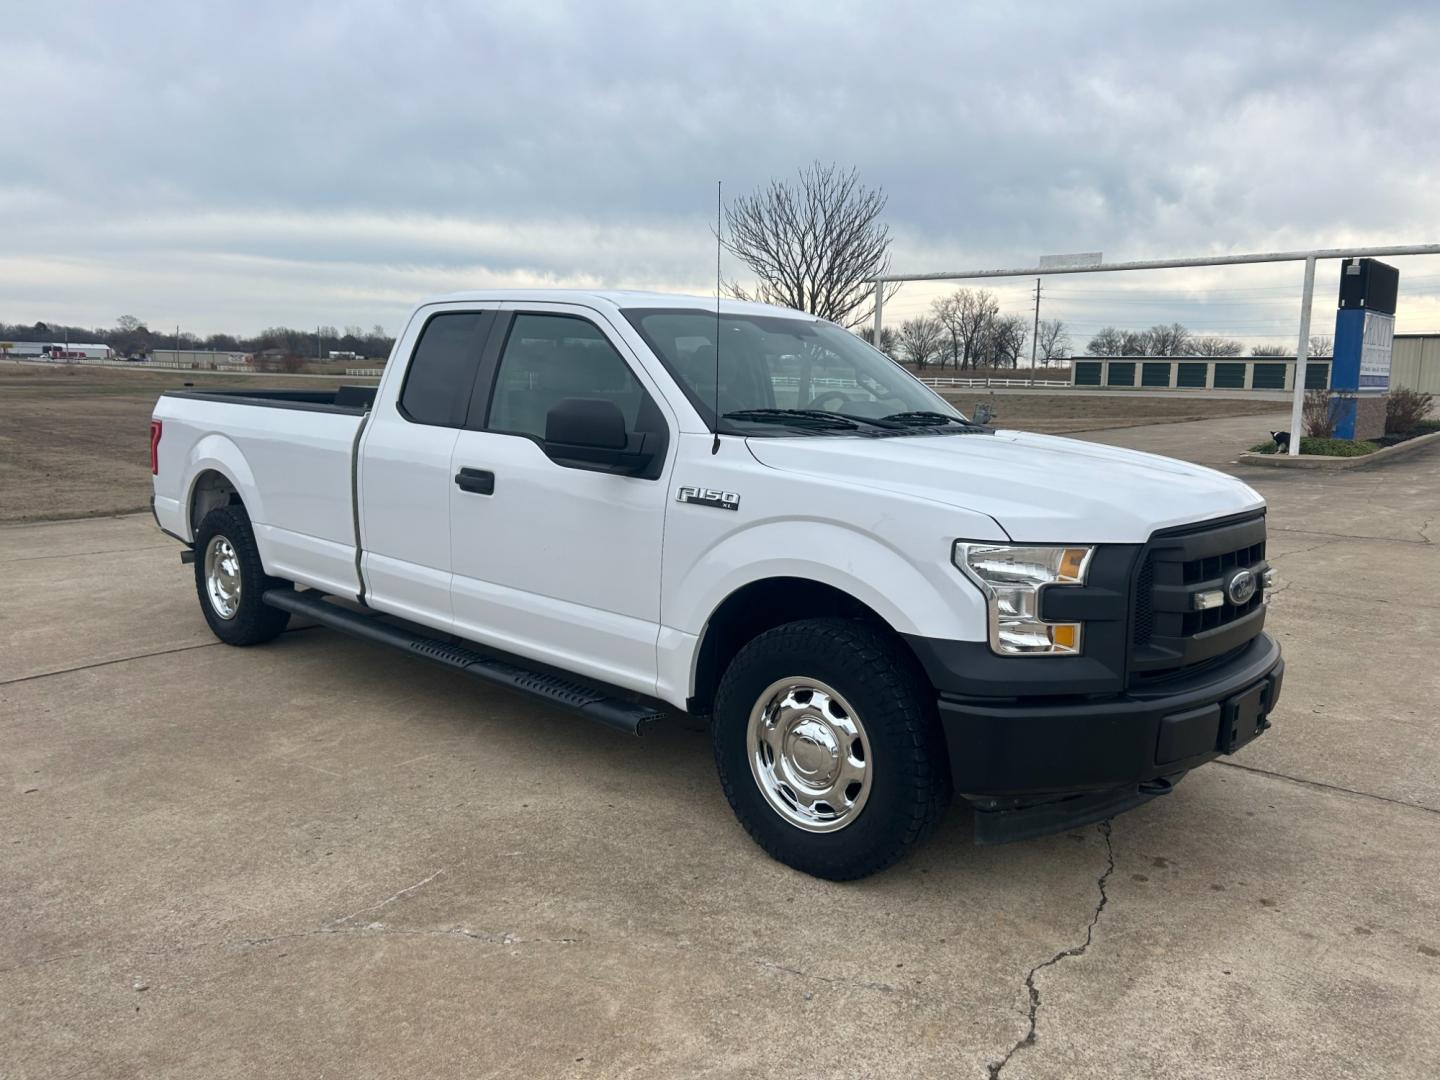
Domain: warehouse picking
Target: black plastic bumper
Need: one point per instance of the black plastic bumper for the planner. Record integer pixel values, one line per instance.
(1042, 766)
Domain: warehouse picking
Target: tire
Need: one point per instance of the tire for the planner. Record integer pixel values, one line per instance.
(796, 709)
(236, 614)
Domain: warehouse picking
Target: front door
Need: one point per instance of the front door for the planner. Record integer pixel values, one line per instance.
(555, 562)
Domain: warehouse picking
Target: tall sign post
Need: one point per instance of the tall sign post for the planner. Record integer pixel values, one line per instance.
(1364, 337)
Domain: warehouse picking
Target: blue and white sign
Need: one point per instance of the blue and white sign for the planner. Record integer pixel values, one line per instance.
(1377, 344)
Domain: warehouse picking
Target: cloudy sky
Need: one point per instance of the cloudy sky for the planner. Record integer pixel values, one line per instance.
(233, 166)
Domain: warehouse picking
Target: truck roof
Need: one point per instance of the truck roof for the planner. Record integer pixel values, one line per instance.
(617, 298)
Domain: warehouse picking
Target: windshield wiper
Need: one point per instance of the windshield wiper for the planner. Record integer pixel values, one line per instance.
(797, 417)
(922, 417)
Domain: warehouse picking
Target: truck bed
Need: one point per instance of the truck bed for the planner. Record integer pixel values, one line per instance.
(354, 400)
(288, 455)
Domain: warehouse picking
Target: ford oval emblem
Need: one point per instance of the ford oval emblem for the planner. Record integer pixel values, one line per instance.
(1240, 588)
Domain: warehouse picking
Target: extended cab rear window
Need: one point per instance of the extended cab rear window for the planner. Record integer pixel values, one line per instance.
(443, 366)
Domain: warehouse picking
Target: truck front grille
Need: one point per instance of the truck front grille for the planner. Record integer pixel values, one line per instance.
(1168, 633)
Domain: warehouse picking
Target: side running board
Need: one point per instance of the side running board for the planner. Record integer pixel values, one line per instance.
(614, 712)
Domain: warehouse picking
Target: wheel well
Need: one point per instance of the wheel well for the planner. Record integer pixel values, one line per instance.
(759, 606)
(211, 489)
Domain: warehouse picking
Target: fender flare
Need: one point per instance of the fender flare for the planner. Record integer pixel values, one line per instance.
(216, 453)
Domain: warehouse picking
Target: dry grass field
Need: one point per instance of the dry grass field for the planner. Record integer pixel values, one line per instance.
(1071, 411)
(74, 439)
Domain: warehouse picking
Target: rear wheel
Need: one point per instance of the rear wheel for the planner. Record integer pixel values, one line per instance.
(828, 747)
(230, 580)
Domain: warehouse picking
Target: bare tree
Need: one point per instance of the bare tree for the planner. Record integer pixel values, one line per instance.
(967, 316)
(1108, 342)
(815, 245)
(1163, 340)
(1322, 345)
(948, 314)
(1317, 415)
(1052, 341)
(1004, 341)
(1210, 345)
(922, 340)
(889, 339)
(1134, 343)
(1269, 350)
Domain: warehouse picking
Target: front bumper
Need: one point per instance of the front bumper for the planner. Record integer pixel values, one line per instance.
(1031, 766)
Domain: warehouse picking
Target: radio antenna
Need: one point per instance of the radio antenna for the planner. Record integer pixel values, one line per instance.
(715, 446)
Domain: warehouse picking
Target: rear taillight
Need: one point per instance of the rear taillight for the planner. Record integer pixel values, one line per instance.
(155, 447)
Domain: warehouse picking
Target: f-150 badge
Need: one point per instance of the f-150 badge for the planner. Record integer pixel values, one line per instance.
(721, 500)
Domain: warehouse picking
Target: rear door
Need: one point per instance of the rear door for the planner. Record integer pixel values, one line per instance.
(404, 469)
(560, 563)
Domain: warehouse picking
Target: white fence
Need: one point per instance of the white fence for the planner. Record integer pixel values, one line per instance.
(939, 383)
(372, 372)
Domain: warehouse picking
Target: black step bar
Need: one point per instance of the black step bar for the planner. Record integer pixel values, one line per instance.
(613, 712)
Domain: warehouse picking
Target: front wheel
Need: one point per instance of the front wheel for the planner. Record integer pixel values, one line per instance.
(230, 580)
(828, 747)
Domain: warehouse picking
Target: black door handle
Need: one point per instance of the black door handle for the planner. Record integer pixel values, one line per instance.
(477, 481)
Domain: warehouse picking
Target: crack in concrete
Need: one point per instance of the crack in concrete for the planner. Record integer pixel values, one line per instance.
(1330, 787)
(1352, 536)
(378, 929)
(127, 659)
(88, 554)
(1297, 551)
(374, 929)
(884, 988)
(1074, 950)
(389, 899)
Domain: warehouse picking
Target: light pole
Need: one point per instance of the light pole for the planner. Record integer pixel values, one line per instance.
(1035, 334)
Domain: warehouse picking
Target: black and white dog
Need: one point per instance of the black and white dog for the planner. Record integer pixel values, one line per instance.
(1282, 439)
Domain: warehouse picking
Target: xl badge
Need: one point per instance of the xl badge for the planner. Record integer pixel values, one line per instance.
(721, 500)
(1241, 588)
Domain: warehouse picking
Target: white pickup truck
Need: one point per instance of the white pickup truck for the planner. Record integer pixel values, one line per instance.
(629, 503)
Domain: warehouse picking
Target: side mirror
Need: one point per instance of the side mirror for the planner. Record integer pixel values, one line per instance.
(590, 433)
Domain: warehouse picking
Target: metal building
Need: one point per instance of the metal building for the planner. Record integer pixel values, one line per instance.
(1198, 372)
(1415, 362)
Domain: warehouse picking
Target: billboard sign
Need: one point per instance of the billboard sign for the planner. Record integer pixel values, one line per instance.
(1065, 262)
(1377, 343)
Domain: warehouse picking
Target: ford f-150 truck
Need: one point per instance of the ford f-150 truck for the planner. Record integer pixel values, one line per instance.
(629, 503)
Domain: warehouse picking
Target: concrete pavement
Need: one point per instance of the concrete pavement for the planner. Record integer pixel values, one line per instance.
(318, 857)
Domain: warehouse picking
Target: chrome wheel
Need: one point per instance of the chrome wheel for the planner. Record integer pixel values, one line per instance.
(809, 754)
(222, 577)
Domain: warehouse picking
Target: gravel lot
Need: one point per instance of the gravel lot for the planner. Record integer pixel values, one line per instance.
(319, 858)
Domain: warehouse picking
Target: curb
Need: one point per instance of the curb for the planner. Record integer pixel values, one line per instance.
(1317, 461)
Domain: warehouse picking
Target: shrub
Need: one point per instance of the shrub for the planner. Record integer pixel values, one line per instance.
(1318, 416)
(1406, 410)
(1338, 447)
(1325, 447)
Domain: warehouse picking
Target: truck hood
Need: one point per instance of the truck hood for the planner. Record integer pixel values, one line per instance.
(1039, 488)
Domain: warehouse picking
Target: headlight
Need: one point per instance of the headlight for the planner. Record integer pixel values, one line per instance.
(1011, 577)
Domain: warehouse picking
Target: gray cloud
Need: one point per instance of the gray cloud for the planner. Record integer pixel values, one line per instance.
(251, 164)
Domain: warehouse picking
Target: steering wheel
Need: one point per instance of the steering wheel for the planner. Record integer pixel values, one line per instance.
(816, 401)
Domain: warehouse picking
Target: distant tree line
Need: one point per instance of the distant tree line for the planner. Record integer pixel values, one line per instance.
(131, 337)
(1174, 339)
(965, 329)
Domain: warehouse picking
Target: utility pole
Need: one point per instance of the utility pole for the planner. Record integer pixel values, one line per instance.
(319, 349)
(1035, 334)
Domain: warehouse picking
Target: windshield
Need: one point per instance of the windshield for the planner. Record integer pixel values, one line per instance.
(781, 374)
